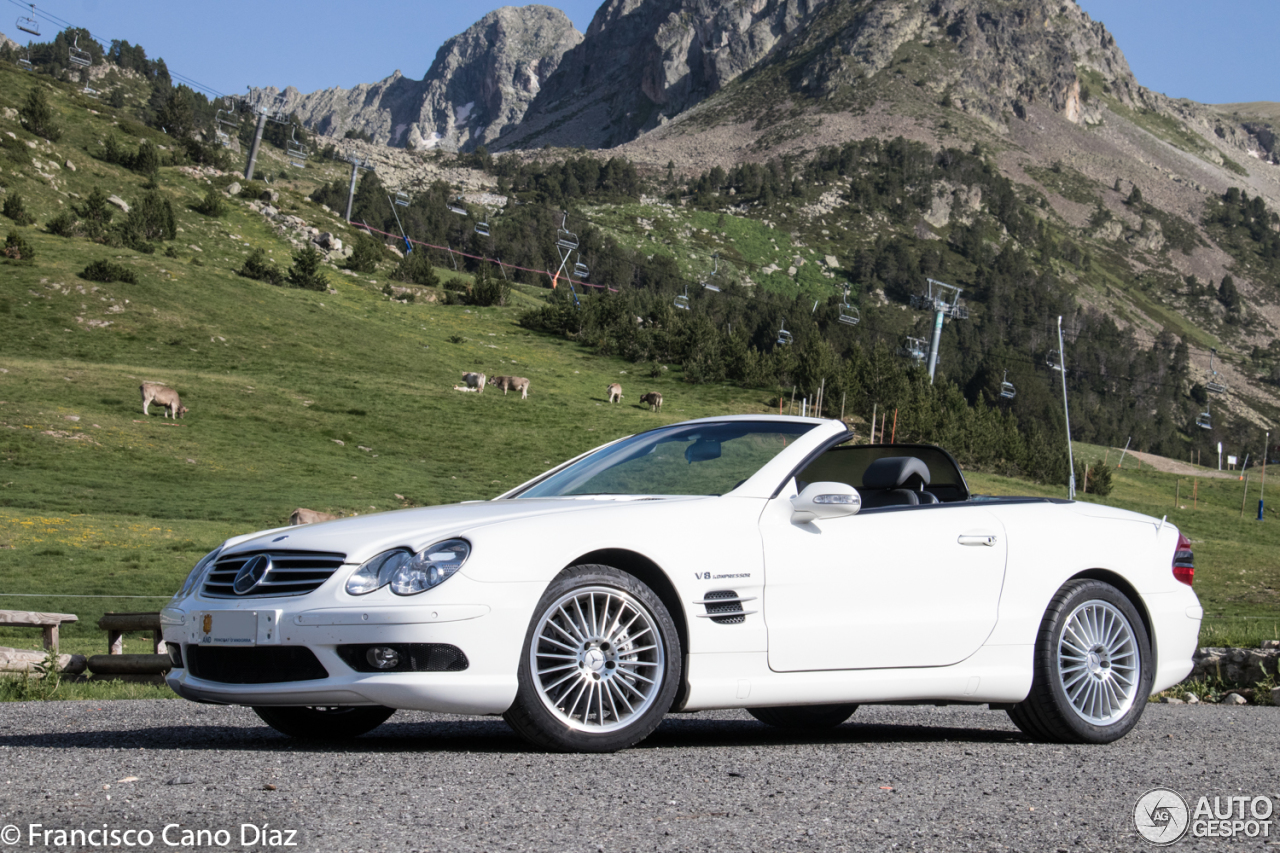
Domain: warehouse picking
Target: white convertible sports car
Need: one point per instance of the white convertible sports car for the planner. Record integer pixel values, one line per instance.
(754, 562)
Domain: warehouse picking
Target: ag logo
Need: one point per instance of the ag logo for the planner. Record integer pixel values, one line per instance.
(1161, 816)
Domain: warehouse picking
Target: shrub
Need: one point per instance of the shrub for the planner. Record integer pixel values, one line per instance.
(416, 268)
(305, 272)
(212, 204)
(37, 115)
(16, 150)
(365, 254)
(95, 214)
(63, 225)
(17, 248)
(258, 267)
(151, 218)
(488, 290)
(16, 209)
(107, 271)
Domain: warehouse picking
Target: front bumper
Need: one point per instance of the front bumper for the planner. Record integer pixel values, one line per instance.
(490, 635)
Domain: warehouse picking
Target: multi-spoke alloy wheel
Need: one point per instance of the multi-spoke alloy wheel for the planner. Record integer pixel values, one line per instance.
(601, 663)
(598, 658)
(1098, 663)
(1092, 668)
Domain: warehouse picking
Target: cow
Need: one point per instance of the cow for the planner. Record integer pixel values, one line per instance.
(154, 392)
(512, 383)
(310, 516)
(615, 392)
(653, 399)
(474, 380)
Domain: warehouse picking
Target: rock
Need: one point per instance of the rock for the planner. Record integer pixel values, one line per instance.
(233, 188)
(831, 262)
(118, 202)
(10, 114)
(193, 247)
(182, 780)
(329, 241)
(72, 418)
(1275, 695)
(270, 196)
(1169, 700)
(338, 442)
(70, 166)
(1191, 698)
(1234, 699)
(1270, 644)
(270, 212)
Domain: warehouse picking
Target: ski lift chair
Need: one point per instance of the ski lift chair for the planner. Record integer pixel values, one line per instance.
(1213, 384)
(24, 62)
(849, 315)
(77, 56)
(482, 227)
(580, 269)
(1007, 391)
(784, 337)
(1203, 420)
(1053, 361)
(296, 151)
(566, 240)
(913, 349)
(402, 199)
(708, 283)
(456, 206)
(91, 92)
(682, 301)
(29, 24)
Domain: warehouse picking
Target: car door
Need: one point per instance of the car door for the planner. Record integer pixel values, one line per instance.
(891, 587)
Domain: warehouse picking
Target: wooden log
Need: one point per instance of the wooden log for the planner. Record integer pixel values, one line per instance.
(129, 664)
(25, 660)
(130, 622)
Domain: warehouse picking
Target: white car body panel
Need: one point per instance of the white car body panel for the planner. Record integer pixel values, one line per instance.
(876, 607)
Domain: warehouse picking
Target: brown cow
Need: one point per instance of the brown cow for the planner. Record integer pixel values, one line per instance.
(615, 392)
(511, 383)
(154, 392)
(310, 516)
(474, 380)
(653, 399)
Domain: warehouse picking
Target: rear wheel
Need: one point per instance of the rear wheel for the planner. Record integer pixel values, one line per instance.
(1093, 668)
(600, 666)
(324, 722)
(804, 716)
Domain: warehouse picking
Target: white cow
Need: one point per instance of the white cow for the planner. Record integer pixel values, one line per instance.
(615, 392)
(474, 380)
(154, 392)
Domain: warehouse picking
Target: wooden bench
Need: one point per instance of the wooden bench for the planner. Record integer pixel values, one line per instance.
(115, 661)
(31, 619)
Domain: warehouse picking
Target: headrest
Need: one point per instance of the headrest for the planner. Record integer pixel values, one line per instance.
(894, 472)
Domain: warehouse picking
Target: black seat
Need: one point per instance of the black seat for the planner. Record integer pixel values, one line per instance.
(896, 481)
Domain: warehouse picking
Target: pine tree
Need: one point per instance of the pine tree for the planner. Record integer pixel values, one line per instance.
(37, 115)
(306, 272)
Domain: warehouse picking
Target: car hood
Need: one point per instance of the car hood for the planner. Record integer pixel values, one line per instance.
(360, 537)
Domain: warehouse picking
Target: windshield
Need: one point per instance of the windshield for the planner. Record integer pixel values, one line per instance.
(689, 459)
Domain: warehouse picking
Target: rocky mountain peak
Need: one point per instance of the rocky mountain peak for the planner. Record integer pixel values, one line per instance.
(479, 85)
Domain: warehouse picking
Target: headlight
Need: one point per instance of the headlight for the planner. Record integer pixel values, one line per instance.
(197, 574)
(430, 567)
(407, 573)
(377, 573)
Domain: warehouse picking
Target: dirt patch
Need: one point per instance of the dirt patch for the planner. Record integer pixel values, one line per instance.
(1173, 466)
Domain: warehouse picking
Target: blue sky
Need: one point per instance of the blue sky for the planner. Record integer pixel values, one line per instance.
(1185, 48)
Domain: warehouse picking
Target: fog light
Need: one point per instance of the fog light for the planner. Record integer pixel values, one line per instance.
(382, 657)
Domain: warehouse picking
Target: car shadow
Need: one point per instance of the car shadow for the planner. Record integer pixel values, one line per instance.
(492, 736)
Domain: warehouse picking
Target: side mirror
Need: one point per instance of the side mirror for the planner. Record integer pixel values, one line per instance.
(825, 500)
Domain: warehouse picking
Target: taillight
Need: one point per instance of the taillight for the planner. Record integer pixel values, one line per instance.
(1184, 564)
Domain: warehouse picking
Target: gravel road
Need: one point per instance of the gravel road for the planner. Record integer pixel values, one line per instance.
(954, 778)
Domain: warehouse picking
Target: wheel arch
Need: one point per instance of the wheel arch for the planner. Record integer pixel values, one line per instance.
(1128, 590)
(651, 575)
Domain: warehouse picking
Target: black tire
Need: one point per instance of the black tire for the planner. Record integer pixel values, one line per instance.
(605, 664)
(324, 723)
(1053, 714)
(799, 717)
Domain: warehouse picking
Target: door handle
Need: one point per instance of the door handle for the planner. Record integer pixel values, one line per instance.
(987, 539)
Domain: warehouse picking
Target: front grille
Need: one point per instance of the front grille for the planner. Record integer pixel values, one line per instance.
(414, 657)
(258, 665)
(291, 573)
(724, 607)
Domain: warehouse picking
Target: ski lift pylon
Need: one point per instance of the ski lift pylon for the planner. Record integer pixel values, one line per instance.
(77, 56)
(849, 315)
(29, 24)
(682, 301)
(784, 337)
(1007, 391)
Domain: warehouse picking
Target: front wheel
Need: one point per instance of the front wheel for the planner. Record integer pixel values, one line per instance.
(600, 665)
(800, 717)
(1093, 668)
(334, 722)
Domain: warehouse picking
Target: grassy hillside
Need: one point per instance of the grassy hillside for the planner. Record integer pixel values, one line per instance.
(339, 400)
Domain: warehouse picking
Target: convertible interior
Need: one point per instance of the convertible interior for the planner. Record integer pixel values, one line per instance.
(891, 475)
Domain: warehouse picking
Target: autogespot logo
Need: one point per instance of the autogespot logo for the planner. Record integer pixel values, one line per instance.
(1161, 816)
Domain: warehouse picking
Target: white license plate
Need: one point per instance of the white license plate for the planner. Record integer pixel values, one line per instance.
(235, 627)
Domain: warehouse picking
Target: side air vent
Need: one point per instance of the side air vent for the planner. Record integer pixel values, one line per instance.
(724, 607)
